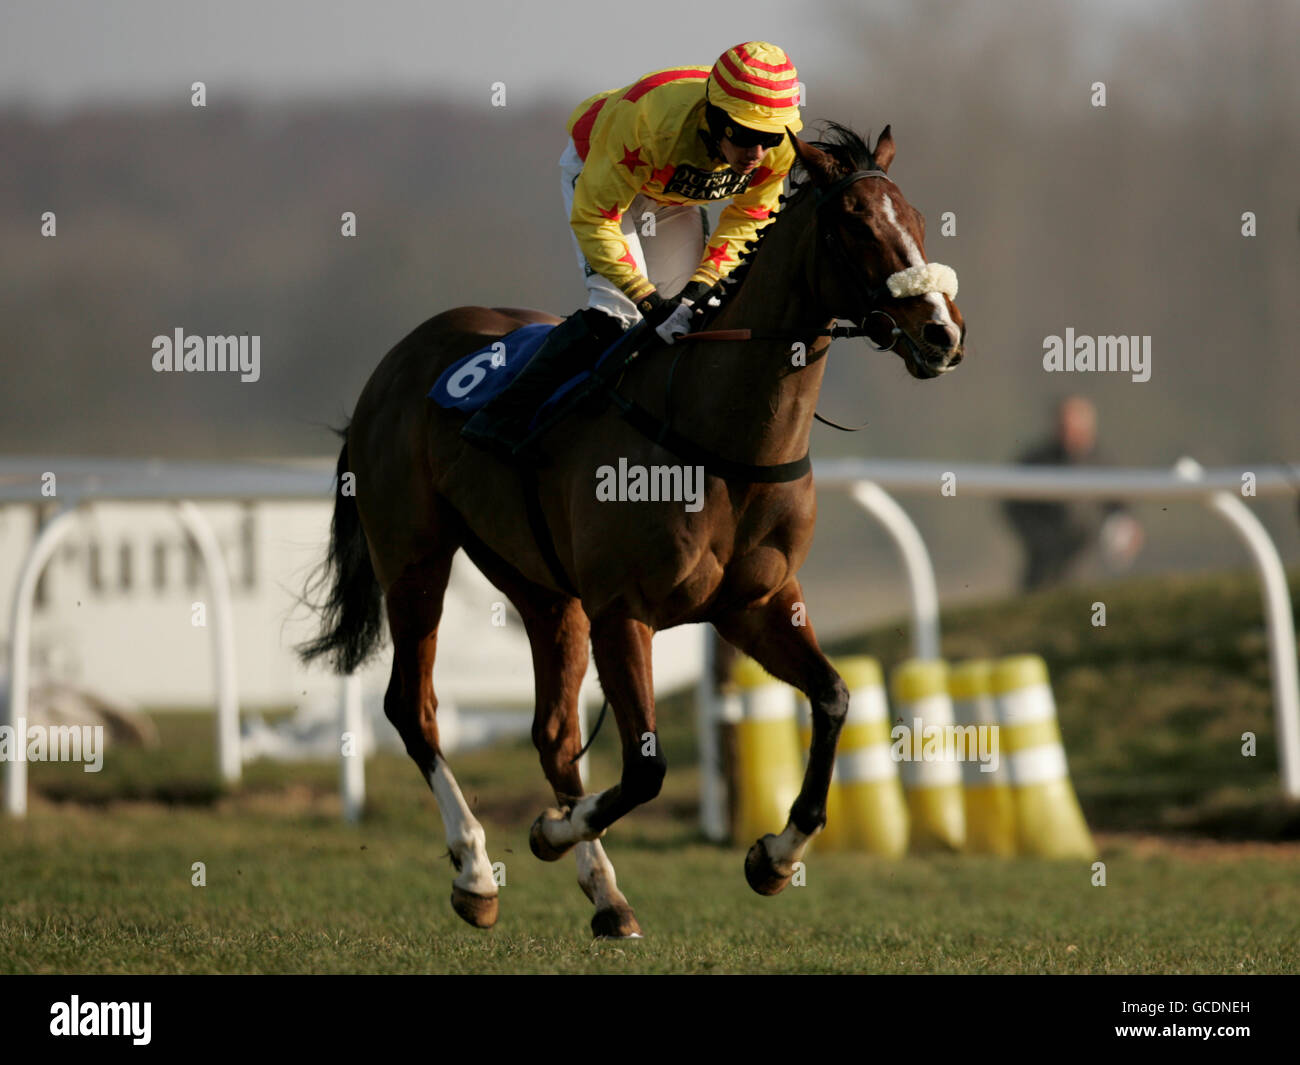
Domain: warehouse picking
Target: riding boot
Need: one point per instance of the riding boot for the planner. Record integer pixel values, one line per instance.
(572, 346)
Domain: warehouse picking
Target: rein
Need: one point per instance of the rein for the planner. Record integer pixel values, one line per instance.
(661, 431)
(838, 332)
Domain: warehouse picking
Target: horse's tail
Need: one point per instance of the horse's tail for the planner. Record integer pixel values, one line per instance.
(351, 623)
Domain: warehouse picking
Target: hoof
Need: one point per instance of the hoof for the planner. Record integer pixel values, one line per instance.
(537, 841)
(763, 874)
(479, 910)
(615, 923)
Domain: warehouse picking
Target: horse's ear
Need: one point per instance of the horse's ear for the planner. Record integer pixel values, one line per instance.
(883, 152)
(820, 166)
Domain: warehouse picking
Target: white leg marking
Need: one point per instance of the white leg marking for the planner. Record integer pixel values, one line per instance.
(465, 835)
(596, 876)
(788, 847)
(574, 828)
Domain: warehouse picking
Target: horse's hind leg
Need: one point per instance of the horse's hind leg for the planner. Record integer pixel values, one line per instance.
(557, 631)
(414, 610)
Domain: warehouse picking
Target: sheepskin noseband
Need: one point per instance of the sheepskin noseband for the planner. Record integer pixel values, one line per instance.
(922, 280)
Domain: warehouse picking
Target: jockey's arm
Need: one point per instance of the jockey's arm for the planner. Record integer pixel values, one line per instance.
(741, 220)
(605, 189)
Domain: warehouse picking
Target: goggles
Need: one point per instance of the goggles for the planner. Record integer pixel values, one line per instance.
(744, 137)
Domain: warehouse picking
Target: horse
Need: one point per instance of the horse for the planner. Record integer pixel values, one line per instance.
(578, 568)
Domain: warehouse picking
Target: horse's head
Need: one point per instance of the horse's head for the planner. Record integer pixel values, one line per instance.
(870, 257)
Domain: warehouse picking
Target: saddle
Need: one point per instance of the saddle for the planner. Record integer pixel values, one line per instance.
(471, 381)
(475, 378)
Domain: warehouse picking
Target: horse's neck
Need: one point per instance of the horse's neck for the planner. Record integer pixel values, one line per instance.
(753, 401)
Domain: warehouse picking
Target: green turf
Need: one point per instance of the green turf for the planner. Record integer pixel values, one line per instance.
(98, 878)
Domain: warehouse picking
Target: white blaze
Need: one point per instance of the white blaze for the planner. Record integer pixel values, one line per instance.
(915, 258)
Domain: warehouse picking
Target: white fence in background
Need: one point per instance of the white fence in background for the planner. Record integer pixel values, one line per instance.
(81, 481)
(866, 482)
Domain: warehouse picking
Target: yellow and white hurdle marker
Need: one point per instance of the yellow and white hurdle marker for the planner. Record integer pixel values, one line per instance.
(931, 779)
(866, 811)
(1049, 823)
(986, 792)
(769, 766)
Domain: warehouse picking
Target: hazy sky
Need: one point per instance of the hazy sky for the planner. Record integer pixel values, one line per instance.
(56, 54)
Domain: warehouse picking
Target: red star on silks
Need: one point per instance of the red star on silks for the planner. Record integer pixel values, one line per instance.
(716, 255)
(663, 175)
(613, 214)
(758, 212)
(631, 158)
(760, 175)
(628, 258)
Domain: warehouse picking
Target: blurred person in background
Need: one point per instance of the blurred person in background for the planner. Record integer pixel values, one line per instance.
(1056, 534)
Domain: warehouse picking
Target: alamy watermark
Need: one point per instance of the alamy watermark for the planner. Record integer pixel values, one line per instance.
(102, 1018)
(53, 743)
(946, 743)
(632, 483)
(1081, 354)
(211, 354)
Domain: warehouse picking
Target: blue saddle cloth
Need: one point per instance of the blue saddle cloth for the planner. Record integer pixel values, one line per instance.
(469, 382)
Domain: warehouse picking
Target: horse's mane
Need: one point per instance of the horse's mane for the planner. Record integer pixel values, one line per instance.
(849, 150)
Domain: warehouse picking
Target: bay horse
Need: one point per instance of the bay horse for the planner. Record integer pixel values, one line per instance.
(615, 572)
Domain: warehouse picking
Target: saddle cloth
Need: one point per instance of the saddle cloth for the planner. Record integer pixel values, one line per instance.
(468, 383)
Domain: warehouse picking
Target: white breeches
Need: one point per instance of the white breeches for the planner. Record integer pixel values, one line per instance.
(666, 240)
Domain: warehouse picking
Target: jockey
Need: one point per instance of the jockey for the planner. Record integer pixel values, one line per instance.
(640, 163)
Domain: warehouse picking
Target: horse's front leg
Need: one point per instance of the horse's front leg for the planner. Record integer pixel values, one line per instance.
(557, 630)
(789, 651)
(622, 650)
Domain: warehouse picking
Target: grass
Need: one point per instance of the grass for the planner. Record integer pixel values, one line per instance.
(1201, 873)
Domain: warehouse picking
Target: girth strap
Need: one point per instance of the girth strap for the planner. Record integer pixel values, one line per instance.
(656, 429)
(541, 531)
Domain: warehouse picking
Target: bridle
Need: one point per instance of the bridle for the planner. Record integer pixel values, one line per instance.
(660, 430)
(872, 295)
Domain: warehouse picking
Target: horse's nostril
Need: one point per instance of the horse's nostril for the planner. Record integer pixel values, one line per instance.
(938, 335)
(956, 359)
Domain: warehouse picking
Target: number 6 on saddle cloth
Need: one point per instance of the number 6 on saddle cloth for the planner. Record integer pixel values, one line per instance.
(470, 382)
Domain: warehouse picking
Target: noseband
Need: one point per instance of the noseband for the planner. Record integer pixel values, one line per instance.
(896, 285)
(912, 281)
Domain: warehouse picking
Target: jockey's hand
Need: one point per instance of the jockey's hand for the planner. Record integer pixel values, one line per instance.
(668, 318)
(678, 323)
(694, 292)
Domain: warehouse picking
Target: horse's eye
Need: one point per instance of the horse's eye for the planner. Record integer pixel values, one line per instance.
(860, 225)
